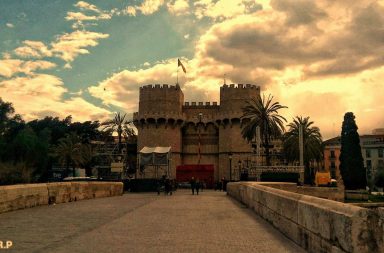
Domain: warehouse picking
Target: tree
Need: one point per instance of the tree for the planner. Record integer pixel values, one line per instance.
(129, 132)
(88, 131)
(351, 160)
(265, 114)
(379, 176)
(69, 152)
(59, 128)
(312, 141)
(87, 158)
(116, 125)
(6, 110)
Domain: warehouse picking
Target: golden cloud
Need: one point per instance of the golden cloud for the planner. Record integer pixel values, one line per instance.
(10, 67)
(41, 95)
(35, 49)
(69, 45)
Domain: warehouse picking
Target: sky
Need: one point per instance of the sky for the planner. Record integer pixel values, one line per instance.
(88, 58)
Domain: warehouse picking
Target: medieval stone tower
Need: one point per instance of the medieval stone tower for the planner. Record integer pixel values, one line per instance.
(164, 119)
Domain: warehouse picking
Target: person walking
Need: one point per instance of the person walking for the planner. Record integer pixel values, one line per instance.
(197, 186)
(222, 187)
(193, 185)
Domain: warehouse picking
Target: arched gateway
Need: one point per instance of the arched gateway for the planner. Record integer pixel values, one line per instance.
(199, 133)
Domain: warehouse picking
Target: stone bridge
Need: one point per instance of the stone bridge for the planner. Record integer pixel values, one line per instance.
(251, 217)
(143, 222)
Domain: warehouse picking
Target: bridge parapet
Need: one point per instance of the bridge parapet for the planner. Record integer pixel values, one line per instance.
(13, 197)
(316, 224)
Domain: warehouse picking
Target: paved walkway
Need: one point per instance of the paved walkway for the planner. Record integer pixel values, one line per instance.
(145, 222)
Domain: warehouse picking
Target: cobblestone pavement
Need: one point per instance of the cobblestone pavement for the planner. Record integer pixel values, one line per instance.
(145, 222)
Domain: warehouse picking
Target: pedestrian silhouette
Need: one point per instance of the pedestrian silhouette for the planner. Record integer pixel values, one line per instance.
(197, 186)
(193, 185)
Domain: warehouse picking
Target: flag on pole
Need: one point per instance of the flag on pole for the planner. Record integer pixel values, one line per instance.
(182, 66)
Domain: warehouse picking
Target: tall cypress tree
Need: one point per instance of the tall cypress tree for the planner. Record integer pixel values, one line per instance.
(351, 160)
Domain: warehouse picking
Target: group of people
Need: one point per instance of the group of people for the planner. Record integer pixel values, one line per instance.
(166, 184)
(195, 185)
(221, 185)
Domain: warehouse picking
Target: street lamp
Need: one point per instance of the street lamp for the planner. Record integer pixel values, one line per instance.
(230, 166)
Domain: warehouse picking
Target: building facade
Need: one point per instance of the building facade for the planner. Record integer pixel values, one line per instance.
(191, 128)
(372, 149)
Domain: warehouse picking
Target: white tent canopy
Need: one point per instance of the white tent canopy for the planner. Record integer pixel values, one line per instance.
(154, 156)
(157, 150)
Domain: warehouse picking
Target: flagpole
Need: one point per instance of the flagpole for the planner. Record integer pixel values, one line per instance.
(177, 76)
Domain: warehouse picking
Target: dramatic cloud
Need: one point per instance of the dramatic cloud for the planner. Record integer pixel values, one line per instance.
(320, 58)
(10, 67)
(66, 46)
(178, 7)
(122, 88)
(69, 45)
(35, 49)
(224, 8)
(282, 38)
(312, 57)
(87, 6)
(149, 7)
(326, 101)
(80, 17)
(40, 95)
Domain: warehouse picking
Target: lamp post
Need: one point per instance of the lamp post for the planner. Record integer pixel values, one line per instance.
(230, 166)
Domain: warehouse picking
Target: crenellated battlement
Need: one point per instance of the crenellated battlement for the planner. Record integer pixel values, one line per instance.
(240, 86)
(164, 99)
(159, 86)
(201, 104)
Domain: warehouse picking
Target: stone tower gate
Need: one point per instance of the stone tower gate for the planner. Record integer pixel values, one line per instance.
(164, 119)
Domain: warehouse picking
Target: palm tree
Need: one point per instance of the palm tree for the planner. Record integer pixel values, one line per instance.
(116, 125)
(128, 131)
(69, 152)
(87, 158)
(262, 113)
(312, 141)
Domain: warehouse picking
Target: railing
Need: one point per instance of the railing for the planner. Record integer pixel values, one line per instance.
(256, 171)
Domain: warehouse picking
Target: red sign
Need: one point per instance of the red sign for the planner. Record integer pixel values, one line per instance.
(203, 172)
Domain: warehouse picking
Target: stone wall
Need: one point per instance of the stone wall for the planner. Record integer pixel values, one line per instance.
(332, 193)
(317, 225)
(22, 196)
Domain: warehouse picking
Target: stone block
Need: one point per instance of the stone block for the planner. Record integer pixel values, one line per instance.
(59, 192)
(337, 222)
(80, 191)
(117, 189)
(288, 228)
(286, 204)
(15, 197)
